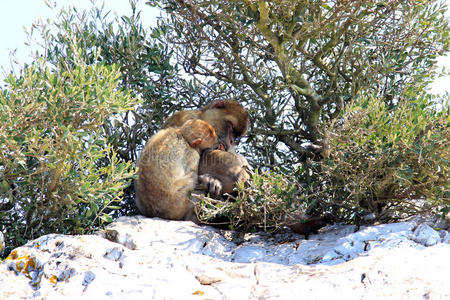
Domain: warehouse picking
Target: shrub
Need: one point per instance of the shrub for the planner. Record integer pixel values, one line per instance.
(147, 69)
(393, 162)
(262, 203)
(390, 161)
(57, 173)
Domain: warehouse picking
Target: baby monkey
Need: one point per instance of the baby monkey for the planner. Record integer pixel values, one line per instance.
(168, 168)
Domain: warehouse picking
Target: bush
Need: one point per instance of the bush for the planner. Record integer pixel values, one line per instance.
(57, 173)
(265, 202)
(144, 64)
(147, 69)
(393, 162)
(390, 161)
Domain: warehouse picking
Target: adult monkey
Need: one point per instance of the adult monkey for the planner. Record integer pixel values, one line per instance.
(219, 169)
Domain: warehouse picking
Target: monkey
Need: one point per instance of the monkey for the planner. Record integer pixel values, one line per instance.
(218, 169)
(228, 118)
(168, 170)
(221, 168)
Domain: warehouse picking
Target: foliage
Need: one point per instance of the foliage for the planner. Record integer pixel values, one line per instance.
(57, 171)
(264, 202)
(144, 64)
(68, 133)
(297, 64)
(393, 162)
(145, 68)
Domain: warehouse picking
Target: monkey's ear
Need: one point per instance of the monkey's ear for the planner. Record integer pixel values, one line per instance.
(196, 142)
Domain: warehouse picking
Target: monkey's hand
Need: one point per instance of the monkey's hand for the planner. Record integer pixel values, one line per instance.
(225, 167)
(210, 184)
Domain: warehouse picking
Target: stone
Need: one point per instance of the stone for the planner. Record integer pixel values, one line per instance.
(143, 258)
(441, 223)
(445, 237)
(426, 235)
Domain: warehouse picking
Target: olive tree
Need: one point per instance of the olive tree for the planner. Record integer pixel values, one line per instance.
(58, 173)
(296, 64)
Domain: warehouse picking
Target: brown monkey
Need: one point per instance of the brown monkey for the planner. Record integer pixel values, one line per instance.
(168, 168)
(219, 170)
(228, 118)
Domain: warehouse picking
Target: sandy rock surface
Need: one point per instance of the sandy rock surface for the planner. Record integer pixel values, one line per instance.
(140, 258)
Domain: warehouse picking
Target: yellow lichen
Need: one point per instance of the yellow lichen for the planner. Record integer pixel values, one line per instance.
(12, 255)
(25, 264)
(198, 293)
(53, 279)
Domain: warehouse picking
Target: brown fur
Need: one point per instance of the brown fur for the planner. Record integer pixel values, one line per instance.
(219, 170)
(227, 167)
(228, 118)
(168, 168)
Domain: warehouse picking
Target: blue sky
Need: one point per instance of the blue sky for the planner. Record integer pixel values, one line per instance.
(17, 14)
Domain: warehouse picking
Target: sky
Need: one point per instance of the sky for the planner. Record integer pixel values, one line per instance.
(15, 15)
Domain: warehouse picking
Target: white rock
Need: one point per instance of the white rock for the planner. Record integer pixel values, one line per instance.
(139, 258)
(426, 235)
(249, 254)
(445, 237)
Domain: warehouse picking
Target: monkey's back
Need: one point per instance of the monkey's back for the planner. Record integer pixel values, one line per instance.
(167, 170)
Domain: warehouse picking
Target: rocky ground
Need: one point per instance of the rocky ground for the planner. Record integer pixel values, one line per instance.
(140, 258)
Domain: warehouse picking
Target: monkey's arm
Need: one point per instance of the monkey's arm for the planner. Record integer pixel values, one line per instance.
(219, 171)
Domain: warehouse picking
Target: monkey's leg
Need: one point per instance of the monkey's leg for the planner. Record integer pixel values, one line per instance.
(219, 171)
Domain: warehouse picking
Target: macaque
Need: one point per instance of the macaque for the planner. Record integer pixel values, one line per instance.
(186, 152)
(168, 170)
(220, 168)
(228, 118)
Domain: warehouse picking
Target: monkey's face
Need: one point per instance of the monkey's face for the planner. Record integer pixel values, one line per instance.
(227, 137)
(227, 130)
(229, 119)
